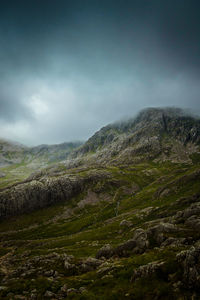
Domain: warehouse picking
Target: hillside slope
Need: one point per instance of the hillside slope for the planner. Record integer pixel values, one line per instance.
(156, 133)
(123, 226)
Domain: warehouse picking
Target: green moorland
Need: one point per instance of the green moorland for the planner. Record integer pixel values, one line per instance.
(50, 253)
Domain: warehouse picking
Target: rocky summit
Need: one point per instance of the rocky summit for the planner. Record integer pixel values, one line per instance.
(117, 217)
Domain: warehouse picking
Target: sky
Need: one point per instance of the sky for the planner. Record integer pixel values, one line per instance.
(67, 68)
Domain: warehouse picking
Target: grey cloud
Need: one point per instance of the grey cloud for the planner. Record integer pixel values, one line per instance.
(69, 67)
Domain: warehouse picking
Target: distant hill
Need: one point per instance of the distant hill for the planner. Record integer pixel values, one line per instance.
(18, 161)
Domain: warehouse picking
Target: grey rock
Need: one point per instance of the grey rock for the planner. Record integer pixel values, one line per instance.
(64, 288)
(125, 223)
(72, 291)
(90, 264)
(190, 261)
(174, 242)
(122, 249)
(82, 290)
(138, 244)
(106, 251)
(158, 232)
(193, 222)
(49, 294)
(147, 270)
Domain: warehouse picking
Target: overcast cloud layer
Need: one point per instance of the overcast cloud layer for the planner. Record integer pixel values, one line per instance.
(68, 68)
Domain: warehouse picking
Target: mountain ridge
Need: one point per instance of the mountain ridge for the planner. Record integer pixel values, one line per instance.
(150, 125)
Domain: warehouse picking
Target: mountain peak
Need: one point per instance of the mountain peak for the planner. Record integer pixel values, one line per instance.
(144, 135)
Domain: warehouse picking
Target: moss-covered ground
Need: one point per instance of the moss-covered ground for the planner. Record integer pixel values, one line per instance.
(137, 193)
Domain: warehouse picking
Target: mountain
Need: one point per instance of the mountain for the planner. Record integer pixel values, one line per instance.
(156, 133)
(119, 218)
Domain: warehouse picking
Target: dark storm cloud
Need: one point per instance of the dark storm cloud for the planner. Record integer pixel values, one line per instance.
(69, 67)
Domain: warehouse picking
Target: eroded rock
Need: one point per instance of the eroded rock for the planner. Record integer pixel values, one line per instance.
(190, 261)
(147, 270)
(106, 251)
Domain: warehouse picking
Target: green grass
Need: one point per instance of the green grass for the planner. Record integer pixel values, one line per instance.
(88, 229)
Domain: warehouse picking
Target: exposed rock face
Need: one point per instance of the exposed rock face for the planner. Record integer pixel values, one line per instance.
(147, 270)
(43, 192)
(190, 260)
(156, 133)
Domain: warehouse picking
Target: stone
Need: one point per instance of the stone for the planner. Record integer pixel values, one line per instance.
(72, 291)
(68, 266)
(82, 290)
(123, 249)
(190, 261)
(141, 239)
(64, 288)
(174, 242)
(125, 223)
(106, 251)
(49, 294)
(147, 270)
(158, 232)
(193, 222)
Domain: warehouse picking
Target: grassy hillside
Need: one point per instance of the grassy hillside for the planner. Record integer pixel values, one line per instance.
(51, 253)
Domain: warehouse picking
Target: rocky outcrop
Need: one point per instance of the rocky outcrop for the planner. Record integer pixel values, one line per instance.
(147, 270)
(106, 251)
(190, 261)
(138, 244)
(157, 233)
(43, 192)
(156, 133)
(190, 216)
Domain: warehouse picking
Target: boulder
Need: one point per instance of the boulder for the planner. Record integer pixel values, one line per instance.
(123, 249)
(138, 244)
(90, 264)
(147, 270)
(125, 223)
(157, 232)
(174, 242)
(141, 239)
(49, 294)
(193, 222)
(106, 251)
